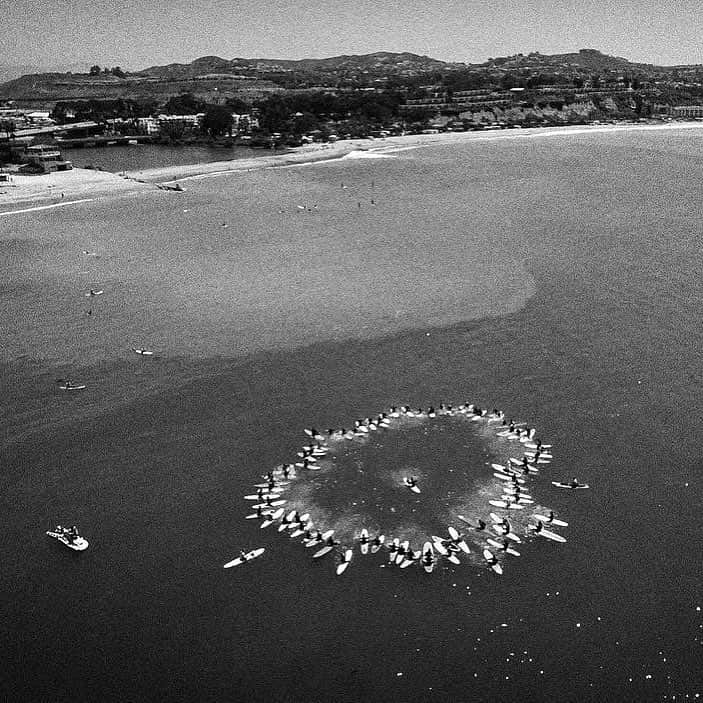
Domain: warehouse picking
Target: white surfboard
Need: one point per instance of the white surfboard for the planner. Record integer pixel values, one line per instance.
(533, 445)
(554, 521)
(377, 543)
(364, 541)
(560, 484)
(505, 504)
(341, 568)
(79, 387)
(271, 504)
(325, 550)
(393, 550)
(271, 517)
(488, 556)
(439, 546)
(78, 544)
(245, 558)
(143, 352)
(510, 535)
(548, 534)
(453, 558)
(502, 547)
(263, 496)
(456, 538)
(513, 478)
(542, 455)
(277, 487)
(428, 560)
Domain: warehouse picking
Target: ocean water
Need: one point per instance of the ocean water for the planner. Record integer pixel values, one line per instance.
(555, 278)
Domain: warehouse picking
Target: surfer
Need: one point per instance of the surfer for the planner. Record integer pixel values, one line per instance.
(574, 483)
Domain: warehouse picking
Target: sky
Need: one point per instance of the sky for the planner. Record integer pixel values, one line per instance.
(135, 34)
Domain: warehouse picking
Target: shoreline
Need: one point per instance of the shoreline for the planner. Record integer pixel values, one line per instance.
(62, 187)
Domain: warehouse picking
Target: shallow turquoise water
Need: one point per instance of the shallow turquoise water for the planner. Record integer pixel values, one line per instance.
(555, 279)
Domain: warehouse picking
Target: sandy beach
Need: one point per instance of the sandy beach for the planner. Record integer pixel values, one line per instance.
(62, 188)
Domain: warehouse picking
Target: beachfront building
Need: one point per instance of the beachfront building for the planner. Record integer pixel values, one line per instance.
(688, 111)
(45, 159)
(244, 123)
(148, 125)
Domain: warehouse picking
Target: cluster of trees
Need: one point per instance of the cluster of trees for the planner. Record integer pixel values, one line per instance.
(115, 71)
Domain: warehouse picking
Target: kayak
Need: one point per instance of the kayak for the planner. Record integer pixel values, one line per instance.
(78, 544)
(245, 557)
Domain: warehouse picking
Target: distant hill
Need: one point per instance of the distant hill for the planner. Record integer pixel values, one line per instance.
(387, 60)
(213, 79)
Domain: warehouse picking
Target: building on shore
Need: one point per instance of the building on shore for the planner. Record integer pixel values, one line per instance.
(690, 111)
(44, 159)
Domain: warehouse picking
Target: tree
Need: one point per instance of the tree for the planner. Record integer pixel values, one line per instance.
(94, 70)
(236, 105)
(184, 104)
(218, 120)
(118, 72)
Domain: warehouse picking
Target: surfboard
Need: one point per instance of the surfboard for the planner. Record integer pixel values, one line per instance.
(488, 556)
(403, 549)
(247, 557)
(300, 530)
(341, 568)
(393, 550)
(549, 535)
(510, 535)
(79, 544)
(428, 560)
(263, 496)
(502, 547)
(92, 293)
(498, 467)
(511, 478)
(410, 558)
(364, 541)
(542, 455)
(272, 504)
(325, 550)
(505, 504)
(278, 487)
(271, 518)
(559, 484)
(454, 534)
(518, 498)
(64, 387)
(453, 558)
(533, 445)
(143, 352)
(437, 544)
(375, 547)
(530, 467)
(554, 521)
